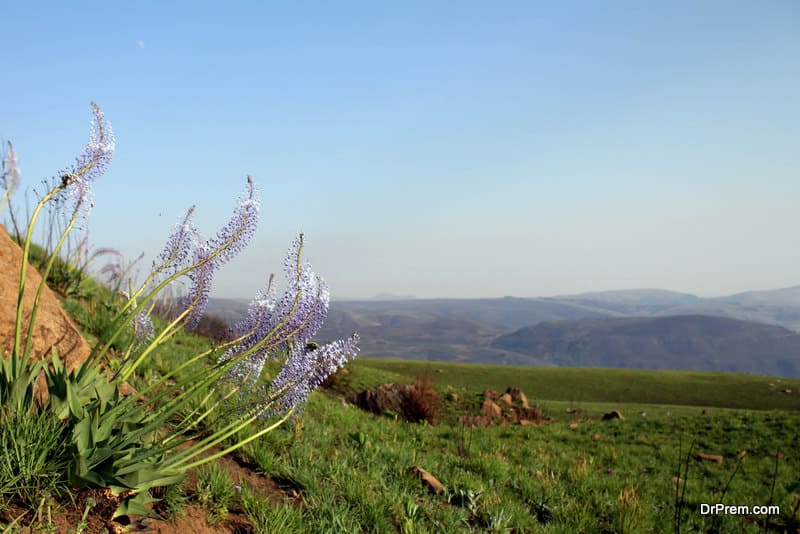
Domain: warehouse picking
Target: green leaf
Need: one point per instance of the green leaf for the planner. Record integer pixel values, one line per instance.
(104, 429)
(150, 476)
(137, 505)
(74, 401)
(82, 437)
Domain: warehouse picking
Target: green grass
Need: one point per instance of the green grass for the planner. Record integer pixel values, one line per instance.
(352, 470)
(32, 458)
(344, 470)
(215, 490)
(579, 385)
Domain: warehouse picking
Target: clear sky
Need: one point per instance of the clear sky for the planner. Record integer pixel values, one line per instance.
(433, 148)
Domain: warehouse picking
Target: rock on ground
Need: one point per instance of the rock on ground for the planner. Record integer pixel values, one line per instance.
(53, 328)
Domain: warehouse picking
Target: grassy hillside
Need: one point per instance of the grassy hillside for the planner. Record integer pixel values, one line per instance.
(636, 386)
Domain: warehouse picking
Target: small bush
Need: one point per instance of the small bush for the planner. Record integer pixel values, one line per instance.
(423, 401)
(213, 327)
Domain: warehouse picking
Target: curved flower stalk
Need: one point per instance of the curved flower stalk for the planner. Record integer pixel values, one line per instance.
(72, 190)
(91, 163)
(196, 300)
(187, 254)
(226, 245)
(183, 239)
(240, 229)
(271, 327)
(304, 306)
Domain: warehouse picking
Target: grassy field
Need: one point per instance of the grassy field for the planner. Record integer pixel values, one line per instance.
(688, 388)
(575, 474)
(339, 469)
(344, 470)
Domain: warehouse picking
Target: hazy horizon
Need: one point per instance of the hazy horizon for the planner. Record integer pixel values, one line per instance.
(396, 296)
(449, 149)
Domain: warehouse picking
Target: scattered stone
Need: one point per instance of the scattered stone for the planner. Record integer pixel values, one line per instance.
(512, 416)
(573, 425)
(454, 397)
(613, 414)
(428, 479)
(491, 410)
(384, 398)
(716, 458)
(643, 414)
(787, 391)
(502, 410)
(596, 437)
(574, 411)
(505, 400)
(518, 395)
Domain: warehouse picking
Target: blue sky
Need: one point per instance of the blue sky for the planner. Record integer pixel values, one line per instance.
(437, 149)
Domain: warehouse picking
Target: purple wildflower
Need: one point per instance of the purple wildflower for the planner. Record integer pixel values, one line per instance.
(306, 369)
(11, 170)
(143, 326)
(256, 324)
(94, 159)
(89, 165)
(201, 277)
(271, 328)
(180, 245)
(212, 254)
(293, 321)
(305, 303)
(241, 227)
(113, 269)
(260, 311)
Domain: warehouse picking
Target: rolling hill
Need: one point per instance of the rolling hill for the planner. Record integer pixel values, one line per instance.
(696, 342)
(499, 330)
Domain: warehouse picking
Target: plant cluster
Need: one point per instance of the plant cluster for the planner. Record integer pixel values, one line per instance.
(85, 432)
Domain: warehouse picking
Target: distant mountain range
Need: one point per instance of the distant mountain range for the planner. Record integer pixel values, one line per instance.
(700, 342)
(754, 332)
